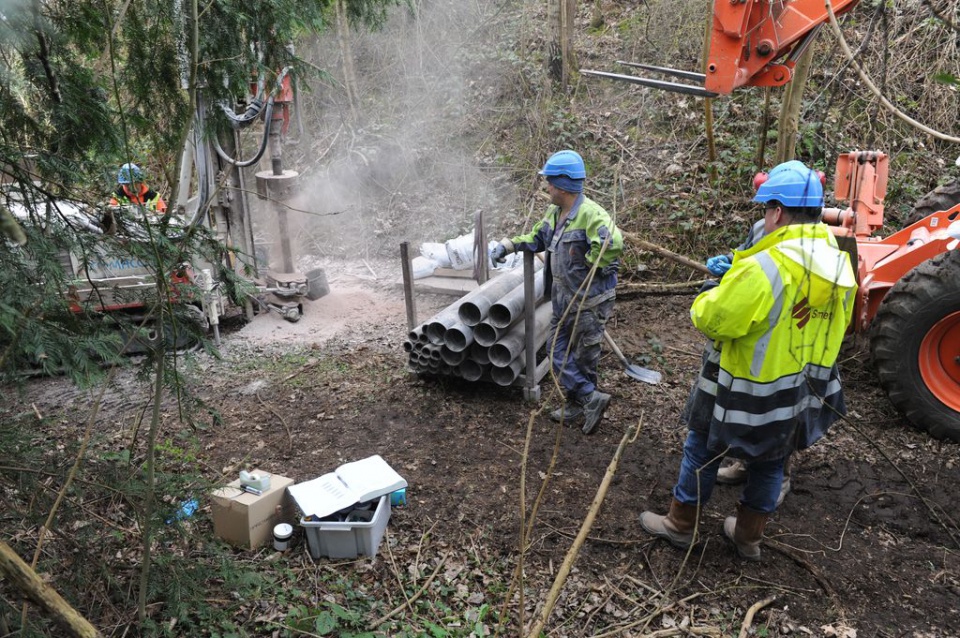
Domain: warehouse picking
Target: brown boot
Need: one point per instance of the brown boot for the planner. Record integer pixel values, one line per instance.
(745, 530)
(678, 526)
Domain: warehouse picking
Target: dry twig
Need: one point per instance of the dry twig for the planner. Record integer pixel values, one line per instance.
(669, 254)
(411, 600)
(574, 550)
(754, 608)
(282, 420)
(683, 288)
(802, 562)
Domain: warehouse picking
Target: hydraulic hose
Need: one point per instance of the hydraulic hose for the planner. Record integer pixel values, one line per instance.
(263, 142)
(251, 114)
(248, 117)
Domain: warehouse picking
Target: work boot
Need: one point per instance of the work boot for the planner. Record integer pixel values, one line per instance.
(568, 413)
(785, 486)
(734, 473)
(745, 531)
(784, 490)
(677, 527)
(594, 406)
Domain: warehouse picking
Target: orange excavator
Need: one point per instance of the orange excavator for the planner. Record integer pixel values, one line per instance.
(909, 296)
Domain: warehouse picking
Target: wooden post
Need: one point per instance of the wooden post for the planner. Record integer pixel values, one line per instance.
(480, 258)
(531, 387)
(408, 297)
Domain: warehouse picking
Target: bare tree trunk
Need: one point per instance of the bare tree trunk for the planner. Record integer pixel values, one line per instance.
(560, 58)
(789, 123)
(764, 125)
(708, 111)
(15, 571)
(346, 54)
(192, 55)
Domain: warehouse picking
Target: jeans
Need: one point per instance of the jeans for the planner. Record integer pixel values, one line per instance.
(763, 477)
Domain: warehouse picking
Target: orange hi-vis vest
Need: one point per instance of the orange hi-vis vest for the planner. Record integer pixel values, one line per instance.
(145, 197)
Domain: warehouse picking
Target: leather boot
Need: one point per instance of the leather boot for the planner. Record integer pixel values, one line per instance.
(745, 531)
(678, 526)
(733, 473)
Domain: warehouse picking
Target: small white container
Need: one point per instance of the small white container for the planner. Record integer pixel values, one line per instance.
(335, 539)
(282, 537)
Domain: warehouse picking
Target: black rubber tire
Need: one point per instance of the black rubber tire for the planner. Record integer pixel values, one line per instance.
(941, 198)
(922, 306)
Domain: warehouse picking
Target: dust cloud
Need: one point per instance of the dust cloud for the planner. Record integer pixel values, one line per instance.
(403, 160)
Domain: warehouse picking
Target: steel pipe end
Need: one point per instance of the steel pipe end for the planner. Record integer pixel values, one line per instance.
(435, 332)
(452, 357)
(499, 355)
(503, 376)
(485, 334)
(470, 370)
(480, 353)
(457, 339)
(500, 316)
(470, 314)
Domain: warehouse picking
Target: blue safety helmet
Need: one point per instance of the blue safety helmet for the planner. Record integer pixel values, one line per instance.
(793, 185)
(130, 173)
(567, 163)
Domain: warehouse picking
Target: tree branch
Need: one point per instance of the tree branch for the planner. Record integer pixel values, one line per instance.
(19, 574)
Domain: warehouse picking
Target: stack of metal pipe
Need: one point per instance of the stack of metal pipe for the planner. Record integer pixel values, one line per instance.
(482, 336)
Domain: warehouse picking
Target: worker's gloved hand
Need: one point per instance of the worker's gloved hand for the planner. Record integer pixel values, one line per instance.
(719, 265)
(499, 253)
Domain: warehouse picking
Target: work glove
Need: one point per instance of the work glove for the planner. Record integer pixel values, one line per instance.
(499, 253)
(719, 265)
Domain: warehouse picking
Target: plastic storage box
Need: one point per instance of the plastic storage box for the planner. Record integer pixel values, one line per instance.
(350, 538)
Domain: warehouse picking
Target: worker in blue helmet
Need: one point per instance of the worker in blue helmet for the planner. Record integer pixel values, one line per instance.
(734, 471)
(132, 190)
(776, 321)
(583, 249)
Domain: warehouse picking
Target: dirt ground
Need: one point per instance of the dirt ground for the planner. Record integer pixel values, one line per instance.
(865, 545)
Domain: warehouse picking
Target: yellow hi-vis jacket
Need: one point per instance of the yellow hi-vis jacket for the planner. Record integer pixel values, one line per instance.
(778, 318)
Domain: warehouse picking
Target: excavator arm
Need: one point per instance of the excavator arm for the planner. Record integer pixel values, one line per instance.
(752, 43)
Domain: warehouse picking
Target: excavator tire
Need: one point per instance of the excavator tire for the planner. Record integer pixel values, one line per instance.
(915, 344)
(941, 198)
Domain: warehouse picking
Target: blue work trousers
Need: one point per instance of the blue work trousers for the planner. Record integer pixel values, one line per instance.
(577, 369)
(763, 477)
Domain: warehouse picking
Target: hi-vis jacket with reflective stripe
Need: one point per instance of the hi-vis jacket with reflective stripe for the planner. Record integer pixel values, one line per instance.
(573, 249)
(778, 318)
(144, 196)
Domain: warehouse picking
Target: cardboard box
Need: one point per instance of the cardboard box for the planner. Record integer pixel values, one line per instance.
(247, 520)
(348, 539)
